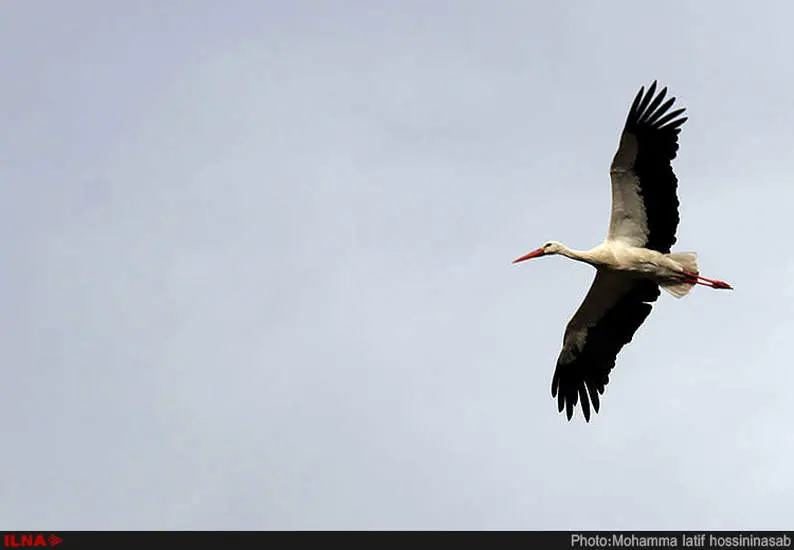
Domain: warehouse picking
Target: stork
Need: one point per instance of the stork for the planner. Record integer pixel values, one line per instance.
(633, 261)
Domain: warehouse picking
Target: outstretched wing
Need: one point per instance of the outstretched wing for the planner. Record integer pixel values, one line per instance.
(614, 308)
(644, 200)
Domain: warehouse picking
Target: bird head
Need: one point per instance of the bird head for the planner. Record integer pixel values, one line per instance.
(549, 248)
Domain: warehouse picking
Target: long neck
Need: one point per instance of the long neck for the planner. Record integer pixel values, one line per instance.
(585, 256)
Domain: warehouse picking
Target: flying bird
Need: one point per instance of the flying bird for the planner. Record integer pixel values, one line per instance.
(633, 261)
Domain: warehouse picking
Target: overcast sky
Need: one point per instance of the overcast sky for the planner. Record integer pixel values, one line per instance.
(256, 267)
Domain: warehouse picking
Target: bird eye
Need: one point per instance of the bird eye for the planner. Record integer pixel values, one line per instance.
(546, 245)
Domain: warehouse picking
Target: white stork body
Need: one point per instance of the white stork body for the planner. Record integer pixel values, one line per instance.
(634, 260)
(667, 270)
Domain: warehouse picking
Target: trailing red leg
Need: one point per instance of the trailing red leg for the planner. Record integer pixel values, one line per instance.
(713, 283)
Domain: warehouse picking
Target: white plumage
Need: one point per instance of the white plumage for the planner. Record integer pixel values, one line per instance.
(633, 261)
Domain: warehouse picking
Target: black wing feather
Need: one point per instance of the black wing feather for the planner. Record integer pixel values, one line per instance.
(586, 371)
(656, 133)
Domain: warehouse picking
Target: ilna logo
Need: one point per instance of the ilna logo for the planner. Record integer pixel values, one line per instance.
(24, 540)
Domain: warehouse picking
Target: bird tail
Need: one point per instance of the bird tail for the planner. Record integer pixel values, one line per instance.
(688, 261)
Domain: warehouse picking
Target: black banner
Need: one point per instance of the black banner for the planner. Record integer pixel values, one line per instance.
(551, 540)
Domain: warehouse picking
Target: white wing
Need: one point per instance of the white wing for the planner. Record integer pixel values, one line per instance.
(644, 200)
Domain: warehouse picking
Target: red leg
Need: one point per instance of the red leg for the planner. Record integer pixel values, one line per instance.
(713, 283)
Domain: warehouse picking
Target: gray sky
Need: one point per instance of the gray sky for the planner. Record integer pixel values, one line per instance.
(257, 269)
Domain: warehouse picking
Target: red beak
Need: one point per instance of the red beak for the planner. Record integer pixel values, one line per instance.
(533, 254)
